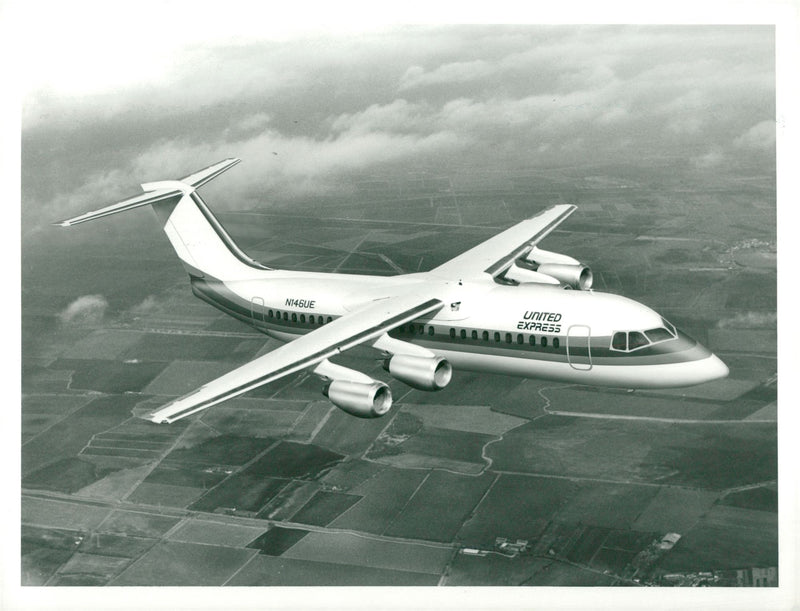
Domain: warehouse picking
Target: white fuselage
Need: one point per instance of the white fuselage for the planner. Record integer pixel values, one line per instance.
(529, 330)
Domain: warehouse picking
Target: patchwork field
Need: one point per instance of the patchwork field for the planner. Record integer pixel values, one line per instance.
(710, 456)
(278, 487)
(269, 571)
(184, 564)
(440, 506)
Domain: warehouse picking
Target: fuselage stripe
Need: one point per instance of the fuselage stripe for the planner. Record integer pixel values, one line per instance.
(673, 351)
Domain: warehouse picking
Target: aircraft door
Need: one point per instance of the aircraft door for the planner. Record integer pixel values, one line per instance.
(579, 347)
(257, 311)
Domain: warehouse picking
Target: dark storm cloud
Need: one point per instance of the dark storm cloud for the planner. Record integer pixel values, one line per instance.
(305, 114)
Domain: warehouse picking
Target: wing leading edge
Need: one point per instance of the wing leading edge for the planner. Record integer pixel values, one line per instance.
(354, 328)
(496, 254)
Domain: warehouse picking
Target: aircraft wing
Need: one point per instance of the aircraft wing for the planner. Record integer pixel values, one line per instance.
(496, 254)
(356, 327)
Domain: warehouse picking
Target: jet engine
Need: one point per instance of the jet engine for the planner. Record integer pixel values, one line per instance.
(574, 276)
(421, 372)
(570, 272)
(522, 275)
(363, 400)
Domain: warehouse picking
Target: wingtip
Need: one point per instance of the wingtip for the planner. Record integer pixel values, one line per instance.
(152, 417)
(62, 224)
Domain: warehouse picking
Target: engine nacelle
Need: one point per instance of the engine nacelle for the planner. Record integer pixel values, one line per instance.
(421, 372)
(545, 256)
(363, 400)
(522, 274)
(575, 276)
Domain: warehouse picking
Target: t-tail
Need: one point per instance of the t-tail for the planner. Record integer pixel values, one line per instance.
(200, 241)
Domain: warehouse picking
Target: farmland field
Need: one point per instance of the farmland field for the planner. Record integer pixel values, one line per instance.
(440, 505)
(270, 571)
(346, 548)
(137, 524)
(516, 507)
(385, 495)
(215, 533)
(240, 492)
(184, 564)
(324, 507)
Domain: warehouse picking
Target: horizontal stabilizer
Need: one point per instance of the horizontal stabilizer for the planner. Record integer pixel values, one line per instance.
(128, 204)
(201, 177)
(157, 192)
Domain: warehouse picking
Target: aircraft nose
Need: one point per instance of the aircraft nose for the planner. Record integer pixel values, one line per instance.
(715, 368)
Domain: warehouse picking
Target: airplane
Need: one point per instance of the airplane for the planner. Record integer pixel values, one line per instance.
(500, 307)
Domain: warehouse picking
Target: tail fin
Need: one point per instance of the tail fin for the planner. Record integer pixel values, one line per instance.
(201, 242)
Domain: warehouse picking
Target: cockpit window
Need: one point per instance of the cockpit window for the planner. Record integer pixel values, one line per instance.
(636, 340)
(670, 327)
(658, 334)
(626, 341)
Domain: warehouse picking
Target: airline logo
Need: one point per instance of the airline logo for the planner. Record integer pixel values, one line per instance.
(545, 322)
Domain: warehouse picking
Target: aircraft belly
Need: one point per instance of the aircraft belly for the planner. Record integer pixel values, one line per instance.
(283, 335)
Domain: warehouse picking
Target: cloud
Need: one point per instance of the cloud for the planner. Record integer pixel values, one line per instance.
(88, 309)
(306, 121)
(148, 304)
(759, 137)
(711, 159)
(750, 320)
(250, 124)
(455, 72)
(397, 116)
(272, 163)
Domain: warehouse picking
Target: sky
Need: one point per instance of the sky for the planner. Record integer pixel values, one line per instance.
(309, 109)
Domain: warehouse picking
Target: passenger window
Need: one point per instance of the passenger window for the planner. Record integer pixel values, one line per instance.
(271, 313)
(636, 340)
(474, 335)
(430, 330)
(286, 316)
(619, 341)
(658, 335)
(555, 342)
(294, 317)
(532, 340)
(421, 329)
(520, 339)
(508, 338)
(544, 342)
(463, 333)
(452, 332)
(330, 319)
(485, 336)
(311, 319)
(278, 315)
(302, 317)
(496, 336)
